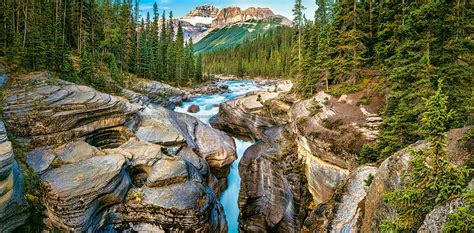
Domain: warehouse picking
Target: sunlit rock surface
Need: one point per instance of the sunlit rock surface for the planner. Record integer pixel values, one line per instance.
(342, 212)
(243, 116)
(330, 133)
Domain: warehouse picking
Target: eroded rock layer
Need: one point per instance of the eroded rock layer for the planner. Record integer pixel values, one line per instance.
(106, 164)
(13, 207)
(50, 111)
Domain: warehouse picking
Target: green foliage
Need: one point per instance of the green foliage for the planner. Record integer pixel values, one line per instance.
(369, 180)
(467, 140)
(265, 55)
(462, 218)
(114, 72)
(231, 36)
(431, 179)
(42, 35)
(367, 154)
(346, 88)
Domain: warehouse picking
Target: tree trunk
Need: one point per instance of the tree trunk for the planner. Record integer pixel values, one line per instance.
(380, 12)
(79, 42)
(370, 17)
(403, 12)
(64, 21)
(26, 19)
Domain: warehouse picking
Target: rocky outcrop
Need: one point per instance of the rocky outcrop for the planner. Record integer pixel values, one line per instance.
(48, 111)
(206, 10)
(241, 116)
(77, 195)
(231, 15)
(266, 198)
(437, 218)
(106, 164)
(167, 193)
(330, 134)
(389, 177)
(13, 206)
(144, 92)
(170, 128)
(342, 212)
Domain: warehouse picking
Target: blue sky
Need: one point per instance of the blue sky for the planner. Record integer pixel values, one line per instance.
(181, 7)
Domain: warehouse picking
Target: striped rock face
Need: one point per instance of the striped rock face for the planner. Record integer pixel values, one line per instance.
(13, 209)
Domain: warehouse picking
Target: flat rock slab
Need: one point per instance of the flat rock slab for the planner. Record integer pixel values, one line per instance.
(167, 171)
(155, 127)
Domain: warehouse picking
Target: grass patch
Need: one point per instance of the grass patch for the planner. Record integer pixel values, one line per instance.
(338, 90)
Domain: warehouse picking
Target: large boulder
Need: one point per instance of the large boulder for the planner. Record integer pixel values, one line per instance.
(50, 111)
(156, 126)
(193, 108)
(168, 193)
(216, 147)
(13, 206)
(242, 116)
(167, 128)
(77, 195)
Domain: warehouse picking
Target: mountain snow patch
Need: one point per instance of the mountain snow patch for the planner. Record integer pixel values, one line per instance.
(198, 19)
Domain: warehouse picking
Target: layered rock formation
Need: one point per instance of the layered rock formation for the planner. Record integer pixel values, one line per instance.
(104, 163)
(168, 192)
(77, 195)
(267, 199)
(144, 92)
(342, 212)
(48, 111)
(13, 207)
(243, 116)
(330, 132)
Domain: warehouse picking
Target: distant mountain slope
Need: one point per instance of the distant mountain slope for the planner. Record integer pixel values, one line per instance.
(232, 35)
(204, 19)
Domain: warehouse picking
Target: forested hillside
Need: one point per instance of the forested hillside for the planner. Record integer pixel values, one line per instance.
(265, 55)
(411, 45)
(233, 35)
(108, 39)
(416, 54)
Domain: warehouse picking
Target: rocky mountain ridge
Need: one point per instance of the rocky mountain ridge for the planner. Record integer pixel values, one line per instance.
(206, 10)
(204, 19)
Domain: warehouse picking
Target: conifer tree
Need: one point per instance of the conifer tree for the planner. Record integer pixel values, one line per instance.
(298, 19)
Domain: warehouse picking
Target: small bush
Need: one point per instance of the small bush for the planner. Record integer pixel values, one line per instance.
(369, 180)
